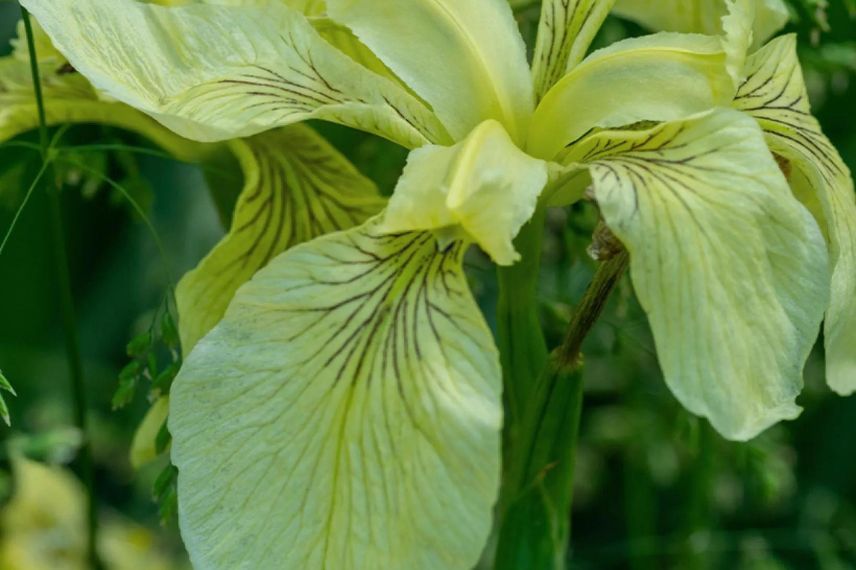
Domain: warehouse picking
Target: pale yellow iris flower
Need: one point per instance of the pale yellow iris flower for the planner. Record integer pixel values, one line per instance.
(346, 411)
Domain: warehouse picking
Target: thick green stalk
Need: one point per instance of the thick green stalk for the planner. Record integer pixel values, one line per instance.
(536, 521)
(522, 347)
(72, 343)
(538, 480)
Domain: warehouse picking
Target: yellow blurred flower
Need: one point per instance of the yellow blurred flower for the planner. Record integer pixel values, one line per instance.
(44, 526)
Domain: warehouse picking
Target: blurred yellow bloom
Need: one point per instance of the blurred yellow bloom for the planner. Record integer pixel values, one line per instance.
(44, 527)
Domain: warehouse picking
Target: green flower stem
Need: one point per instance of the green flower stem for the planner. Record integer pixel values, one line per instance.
(538, 484)
(522, 347)
(535, 528)
(521, 342)
(72, 342)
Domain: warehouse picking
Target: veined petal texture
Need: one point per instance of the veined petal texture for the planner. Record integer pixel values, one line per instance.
(215, 72)
(565, 31)
(296, 187)
(345, 414)
(774, 93)
(730, 268)
(661, 77)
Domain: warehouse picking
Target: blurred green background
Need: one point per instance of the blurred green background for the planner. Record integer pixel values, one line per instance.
(656, 488)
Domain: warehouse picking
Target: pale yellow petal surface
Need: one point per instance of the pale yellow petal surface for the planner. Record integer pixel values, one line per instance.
(215, 72)
(737, 36)
(344, 414)
(659, 77)
(144, 444)
(484, 188)
(774, 93)
(69, 98)
(308, 7)
(46, 53)
(701, 16)
(344, 40)
(565, 32)
(296, 187)
(770, 17)
(464, 57)
(728, 265)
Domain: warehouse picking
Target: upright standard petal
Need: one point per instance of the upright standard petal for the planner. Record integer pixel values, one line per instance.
(774, 93)
(345, 414)
(465, 57)
(483, 189)
(737, 36)
(702, 16)
(215, 72)
(728, 265)
(296, 188)
(565, 32)
(660, 77)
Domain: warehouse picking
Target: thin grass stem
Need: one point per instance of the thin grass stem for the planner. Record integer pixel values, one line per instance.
(72, 341)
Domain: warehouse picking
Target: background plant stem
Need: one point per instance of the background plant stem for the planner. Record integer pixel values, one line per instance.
(72, 343)
(607, 276)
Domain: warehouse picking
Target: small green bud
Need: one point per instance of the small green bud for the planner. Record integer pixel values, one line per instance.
(124, 393)
(163, 381)
(163, 439)
(169, 332)
(139, 345)
(6, 385)
(164, 480)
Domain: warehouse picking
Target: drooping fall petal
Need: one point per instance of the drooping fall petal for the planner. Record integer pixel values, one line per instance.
(214, 71)
(296, 187)
(69, 98)
(730, 268)
(774, 94)
(344, 414)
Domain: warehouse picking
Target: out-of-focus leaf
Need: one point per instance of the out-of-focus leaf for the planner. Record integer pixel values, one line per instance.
(4, 409)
